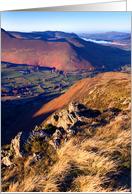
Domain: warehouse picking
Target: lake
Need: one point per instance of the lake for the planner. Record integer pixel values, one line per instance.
(96, 41)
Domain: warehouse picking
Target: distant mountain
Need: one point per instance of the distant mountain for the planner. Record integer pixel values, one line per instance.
(42, 34)
(66, 54)
(119, 39)
(111, 36)
(127, 38)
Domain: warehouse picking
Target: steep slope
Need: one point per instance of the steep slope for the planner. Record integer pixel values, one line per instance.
(78, 92)
(38, 114)
(95, 89)
(68, 54)
(80, 147)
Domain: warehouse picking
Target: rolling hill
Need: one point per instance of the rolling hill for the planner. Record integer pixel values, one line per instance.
(111, 36)
(65, 54)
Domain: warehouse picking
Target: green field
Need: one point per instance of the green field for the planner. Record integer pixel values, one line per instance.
(39, 80)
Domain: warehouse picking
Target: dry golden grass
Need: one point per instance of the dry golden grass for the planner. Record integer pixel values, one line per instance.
(32, 184)
(85, 163)
(91, 160)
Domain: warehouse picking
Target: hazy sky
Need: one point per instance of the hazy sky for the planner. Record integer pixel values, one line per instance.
(66, 21)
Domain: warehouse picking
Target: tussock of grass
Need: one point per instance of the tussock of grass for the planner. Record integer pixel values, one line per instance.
(32, 184)
(87, 163)
(91, 160)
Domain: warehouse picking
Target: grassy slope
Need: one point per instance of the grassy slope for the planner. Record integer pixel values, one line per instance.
(97, 159)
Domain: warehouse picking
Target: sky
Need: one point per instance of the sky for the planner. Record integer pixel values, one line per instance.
(66, 21)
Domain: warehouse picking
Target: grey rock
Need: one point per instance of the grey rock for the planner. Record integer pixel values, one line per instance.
(55, 143)
(39, 134)
(58, 134)
(17, 144)
(73, 106)
(122, 117)
(6, 161)
(70, 133)
(70, 117)
(24, 138)
(37, 157)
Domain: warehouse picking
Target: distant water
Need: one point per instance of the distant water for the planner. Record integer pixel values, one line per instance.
(96, 41)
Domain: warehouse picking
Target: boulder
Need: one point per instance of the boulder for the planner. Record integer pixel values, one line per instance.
(17, 144)
(68, 118)
(75, 107)
(55, 143)
(67, 121)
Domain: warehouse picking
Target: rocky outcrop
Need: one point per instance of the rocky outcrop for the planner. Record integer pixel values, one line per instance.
(17, 144)
(122, 117)
(24, 138)
(60, 127)
(57, 136)
(69, 118)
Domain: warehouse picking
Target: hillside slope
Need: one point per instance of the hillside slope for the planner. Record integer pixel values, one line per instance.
(84, 146)
(76, 93)
(66, 54)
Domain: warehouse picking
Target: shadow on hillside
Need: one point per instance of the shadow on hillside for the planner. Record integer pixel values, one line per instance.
(27, 122)
(22, 124)
(123, 178)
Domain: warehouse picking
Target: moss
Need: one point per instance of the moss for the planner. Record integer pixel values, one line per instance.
(27, 148)
(119, 106)
(51, 127)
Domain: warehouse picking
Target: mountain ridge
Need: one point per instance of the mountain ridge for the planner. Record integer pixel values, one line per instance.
(71, 54)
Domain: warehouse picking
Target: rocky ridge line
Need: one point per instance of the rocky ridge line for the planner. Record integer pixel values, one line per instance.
(59, 127)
